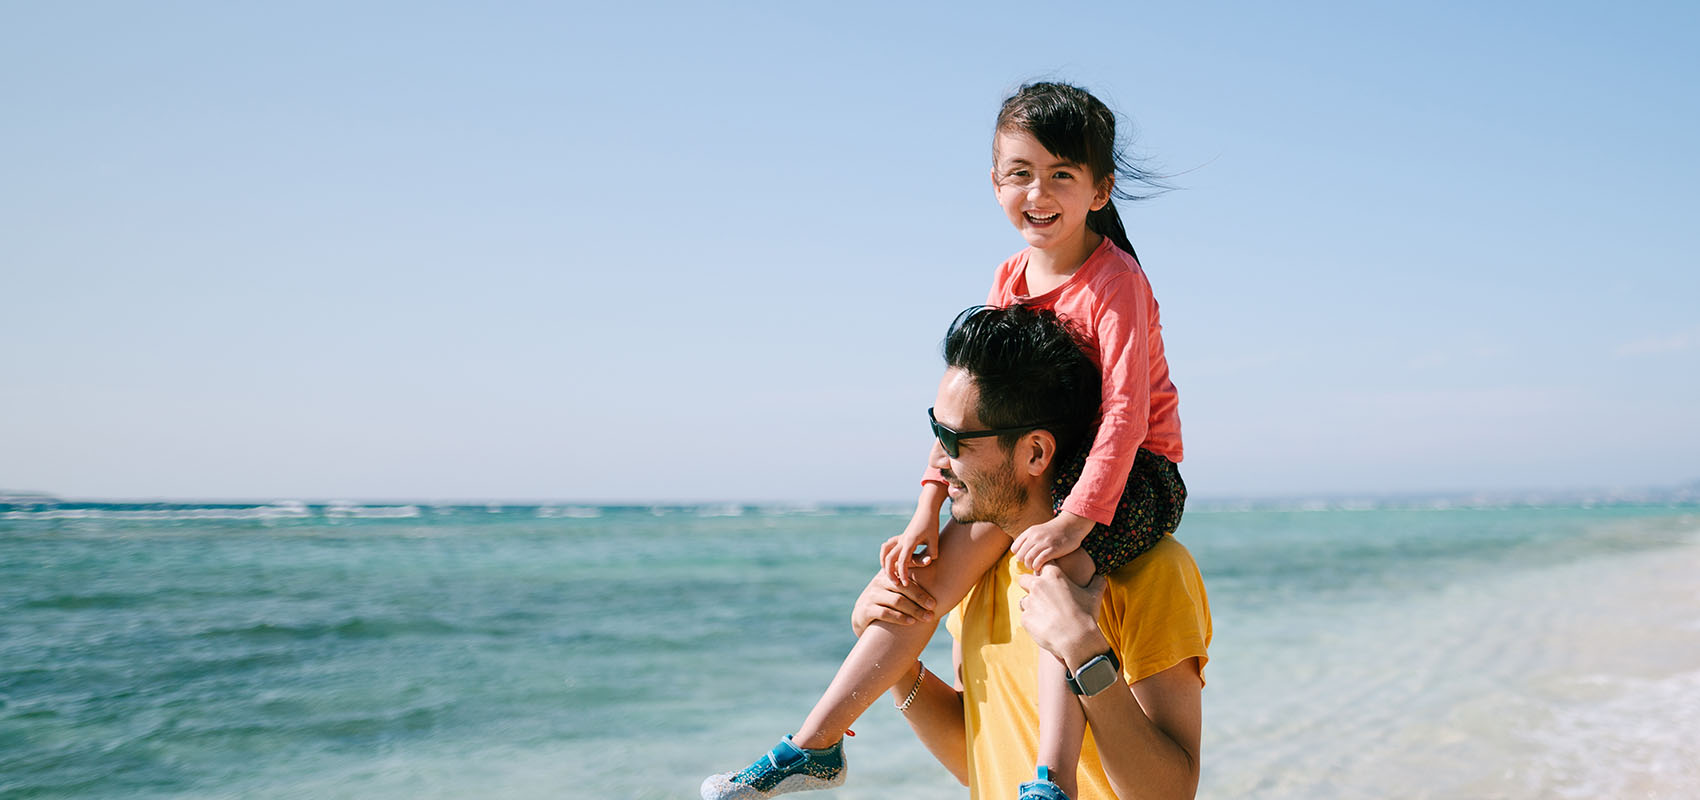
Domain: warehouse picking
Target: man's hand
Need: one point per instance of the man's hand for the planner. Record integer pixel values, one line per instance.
(887, 601)
(1042, 543)
(1061, 617)
(897, 555)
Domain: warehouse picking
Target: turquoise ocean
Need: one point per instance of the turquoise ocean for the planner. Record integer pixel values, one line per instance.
(389, 651)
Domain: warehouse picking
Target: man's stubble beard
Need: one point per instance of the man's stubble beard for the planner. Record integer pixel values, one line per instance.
(998, 497)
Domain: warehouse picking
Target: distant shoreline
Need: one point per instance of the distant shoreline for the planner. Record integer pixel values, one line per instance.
(1679, 495)
(16, 505)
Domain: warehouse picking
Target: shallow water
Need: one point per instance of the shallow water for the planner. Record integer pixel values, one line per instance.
(347, 651)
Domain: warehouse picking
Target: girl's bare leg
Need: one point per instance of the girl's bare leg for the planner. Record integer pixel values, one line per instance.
(1062, 720)
(886, 651)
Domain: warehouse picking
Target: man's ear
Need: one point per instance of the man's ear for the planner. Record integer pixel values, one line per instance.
(1037, 449)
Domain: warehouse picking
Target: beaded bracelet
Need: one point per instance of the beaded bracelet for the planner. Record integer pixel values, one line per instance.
(914, 690)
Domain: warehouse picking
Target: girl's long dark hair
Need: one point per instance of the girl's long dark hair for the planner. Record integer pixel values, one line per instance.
(1075, 126)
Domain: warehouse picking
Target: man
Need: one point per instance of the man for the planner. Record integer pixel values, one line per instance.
(1151, 616)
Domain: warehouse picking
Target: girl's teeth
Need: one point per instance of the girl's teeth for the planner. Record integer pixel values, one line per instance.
(1041, 217)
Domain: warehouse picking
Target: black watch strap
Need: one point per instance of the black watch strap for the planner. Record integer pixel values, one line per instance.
(1096, 675)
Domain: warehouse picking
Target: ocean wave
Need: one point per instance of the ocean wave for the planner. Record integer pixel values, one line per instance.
(568, 512)
(1645, 726)
(354, 628)
(350, 510)
(87, 601)
(316, 726)
(286, 510)
(265, 512)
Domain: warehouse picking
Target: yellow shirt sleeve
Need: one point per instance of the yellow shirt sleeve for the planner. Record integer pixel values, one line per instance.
(1156, 613)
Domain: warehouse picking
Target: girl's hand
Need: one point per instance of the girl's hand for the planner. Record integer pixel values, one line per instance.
(1061, 617)
(897, 555)
(1040, 544)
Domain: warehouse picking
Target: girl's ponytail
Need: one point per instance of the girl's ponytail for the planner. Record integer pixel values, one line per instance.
(1107, 223)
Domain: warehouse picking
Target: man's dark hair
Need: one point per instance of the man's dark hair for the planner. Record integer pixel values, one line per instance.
(1031, 368)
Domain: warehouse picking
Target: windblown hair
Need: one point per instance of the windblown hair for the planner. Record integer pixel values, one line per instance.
(1031, 367)
(1075, 126)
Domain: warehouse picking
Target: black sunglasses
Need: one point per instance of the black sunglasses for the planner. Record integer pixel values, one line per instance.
(951, 439)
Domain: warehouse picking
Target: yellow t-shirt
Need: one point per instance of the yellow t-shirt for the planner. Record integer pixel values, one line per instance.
(1155, 614)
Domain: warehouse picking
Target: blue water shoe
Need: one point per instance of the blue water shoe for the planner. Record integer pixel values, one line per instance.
(786, 768)
(1041, 789)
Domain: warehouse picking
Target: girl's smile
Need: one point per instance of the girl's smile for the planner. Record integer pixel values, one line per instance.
(1045, 197)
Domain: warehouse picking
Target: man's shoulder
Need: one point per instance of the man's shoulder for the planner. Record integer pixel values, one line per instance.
(1168, 559)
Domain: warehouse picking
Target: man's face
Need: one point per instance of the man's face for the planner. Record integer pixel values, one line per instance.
(982, 481)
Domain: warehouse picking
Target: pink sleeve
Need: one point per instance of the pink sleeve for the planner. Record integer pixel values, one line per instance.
(1119, 321)
(932, 475)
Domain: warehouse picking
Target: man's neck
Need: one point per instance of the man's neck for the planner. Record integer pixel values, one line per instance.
(1036, 511)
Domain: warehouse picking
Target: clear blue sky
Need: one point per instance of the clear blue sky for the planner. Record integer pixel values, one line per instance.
(632, 252)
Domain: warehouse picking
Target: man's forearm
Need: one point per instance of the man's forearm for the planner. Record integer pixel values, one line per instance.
(936, 717)
(1148, 734)
(1142, 761)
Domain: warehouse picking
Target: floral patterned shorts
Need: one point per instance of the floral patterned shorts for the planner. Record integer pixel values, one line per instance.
(1150, 508)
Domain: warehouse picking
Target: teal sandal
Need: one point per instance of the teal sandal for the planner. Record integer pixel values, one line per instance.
(787, 768)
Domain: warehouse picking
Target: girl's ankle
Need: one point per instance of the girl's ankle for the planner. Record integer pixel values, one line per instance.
(1068, 781)
(814, 741)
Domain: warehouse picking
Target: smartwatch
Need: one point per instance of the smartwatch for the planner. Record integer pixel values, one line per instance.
(1095, 675)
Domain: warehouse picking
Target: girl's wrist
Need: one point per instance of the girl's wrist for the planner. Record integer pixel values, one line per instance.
(1078, 525)
(931, 501)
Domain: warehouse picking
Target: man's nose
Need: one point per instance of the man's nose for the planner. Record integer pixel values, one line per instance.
(937, 458)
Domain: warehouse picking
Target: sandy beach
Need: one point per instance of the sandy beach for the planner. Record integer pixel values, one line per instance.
(1577, 679)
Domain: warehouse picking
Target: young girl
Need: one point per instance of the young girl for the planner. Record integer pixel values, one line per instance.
(1055, 166)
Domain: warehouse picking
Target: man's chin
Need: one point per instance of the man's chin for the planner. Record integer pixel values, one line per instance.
(964, 512)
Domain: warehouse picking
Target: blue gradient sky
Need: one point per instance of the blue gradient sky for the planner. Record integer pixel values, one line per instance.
(705, 252)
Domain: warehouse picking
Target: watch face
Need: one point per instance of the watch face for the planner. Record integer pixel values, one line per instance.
(1096, 676)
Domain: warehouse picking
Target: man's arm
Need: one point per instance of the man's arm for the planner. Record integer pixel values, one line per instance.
(936, 717)
(1148, 738)
(1148, 734)
(936, 712)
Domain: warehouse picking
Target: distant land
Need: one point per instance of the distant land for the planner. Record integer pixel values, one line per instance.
(1684, 494)
(1681, 495)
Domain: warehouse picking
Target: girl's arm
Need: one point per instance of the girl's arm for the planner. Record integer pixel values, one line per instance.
(1118, 314)
(936, 713)
(1120, 321)
(896, 554)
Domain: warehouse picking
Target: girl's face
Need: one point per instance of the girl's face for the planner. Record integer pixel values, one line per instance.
(1045, 197)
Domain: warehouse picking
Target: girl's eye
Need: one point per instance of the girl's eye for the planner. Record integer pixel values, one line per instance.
(1064, 175)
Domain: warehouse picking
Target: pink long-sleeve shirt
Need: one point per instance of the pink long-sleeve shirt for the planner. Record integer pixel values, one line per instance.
(1111, 301)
